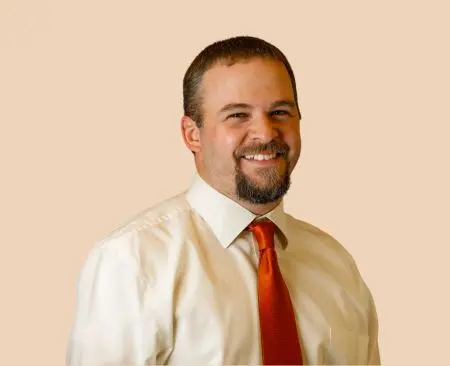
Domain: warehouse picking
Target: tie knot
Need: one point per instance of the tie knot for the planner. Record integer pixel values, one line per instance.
(263, 230)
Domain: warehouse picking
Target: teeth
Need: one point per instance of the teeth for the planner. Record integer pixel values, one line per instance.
(260, 157)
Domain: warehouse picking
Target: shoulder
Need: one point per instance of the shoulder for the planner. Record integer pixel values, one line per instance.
(157, 217)
(320, 238)
(326, 248)
(146, 233)
(151, 218)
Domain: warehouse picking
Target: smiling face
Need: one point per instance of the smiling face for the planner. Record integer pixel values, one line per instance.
(250, 139)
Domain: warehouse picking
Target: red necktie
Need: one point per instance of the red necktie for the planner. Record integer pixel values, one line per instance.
(279, 338)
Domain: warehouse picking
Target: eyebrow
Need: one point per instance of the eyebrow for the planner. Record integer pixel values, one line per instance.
(286, 103)
(279, 103)
(283, 103)
(230, 106)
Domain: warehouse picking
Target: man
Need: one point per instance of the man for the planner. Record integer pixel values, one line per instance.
(220, 274)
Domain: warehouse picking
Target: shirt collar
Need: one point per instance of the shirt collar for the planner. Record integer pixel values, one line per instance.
(226, 218)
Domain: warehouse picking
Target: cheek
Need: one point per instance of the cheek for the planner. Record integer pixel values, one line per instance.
(292, 138)
(227, 142)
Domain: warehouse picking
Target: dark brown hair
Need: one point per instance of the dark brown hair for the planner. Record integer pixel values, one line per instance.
(230, 51)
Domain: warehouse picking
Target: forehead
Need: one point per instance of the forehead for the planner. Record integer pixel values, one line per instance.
(258, 82)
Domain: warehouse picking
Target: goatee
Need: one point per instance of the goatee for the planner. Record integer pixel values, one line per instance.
(277, 185)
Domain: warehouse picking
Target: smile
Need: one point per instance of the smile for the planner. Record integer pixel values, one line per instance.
(264, 160)
(262, 157)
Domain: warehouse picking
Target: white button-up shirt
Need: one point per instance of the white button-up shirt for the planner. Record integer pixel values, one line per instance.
(177, 285)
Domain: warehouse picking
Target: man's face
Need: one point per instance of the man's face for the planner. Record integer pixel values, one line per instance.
(250, 139)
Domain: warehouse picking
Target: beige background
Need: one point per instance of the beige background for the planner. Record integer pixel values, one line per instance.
(90, 102)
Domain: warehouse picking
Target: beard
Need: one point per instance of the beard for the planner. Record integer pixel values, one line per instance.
(276, 185)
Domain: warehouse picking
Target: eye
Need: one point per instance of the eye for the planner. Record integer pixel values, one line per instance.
(238, 115)
(280, 112)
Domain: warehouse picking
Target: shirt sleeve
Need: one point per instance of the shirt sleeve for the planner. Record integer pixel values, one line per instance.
(373, 352)
(111, 326)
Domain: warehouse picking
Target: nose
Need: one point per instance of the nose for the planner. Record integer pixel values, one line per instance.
(264, 129)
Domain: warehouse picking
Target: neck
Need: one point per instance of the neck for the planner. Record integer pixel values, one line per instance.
(257, 209)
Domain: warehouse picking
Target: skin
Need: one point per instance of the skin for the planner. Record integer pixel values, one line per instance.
(262, 125)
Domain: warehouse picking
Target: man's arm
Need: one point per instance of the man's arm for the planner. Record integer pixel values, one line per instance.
(110, 327)
(373, 351)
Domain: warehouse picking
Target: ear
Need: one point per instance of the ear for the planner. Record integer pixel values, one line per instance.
(191, 134)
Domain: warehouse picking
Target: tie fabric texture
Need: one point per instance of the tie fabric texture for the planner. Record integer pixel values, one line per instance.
(279, 338)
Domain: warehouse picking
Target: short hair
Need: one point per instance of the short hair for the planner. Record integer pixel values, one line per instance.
(229, 50)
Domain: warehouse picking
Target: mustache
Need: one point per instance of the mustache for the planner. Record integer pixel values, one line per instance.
(272, 147)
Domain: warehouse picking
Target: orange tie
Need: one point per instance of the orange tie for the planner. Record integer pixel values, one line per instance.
(279, 338)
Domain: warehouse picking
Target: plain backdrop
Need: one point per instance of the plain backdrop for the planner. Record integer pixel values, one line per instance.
(90, 104)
